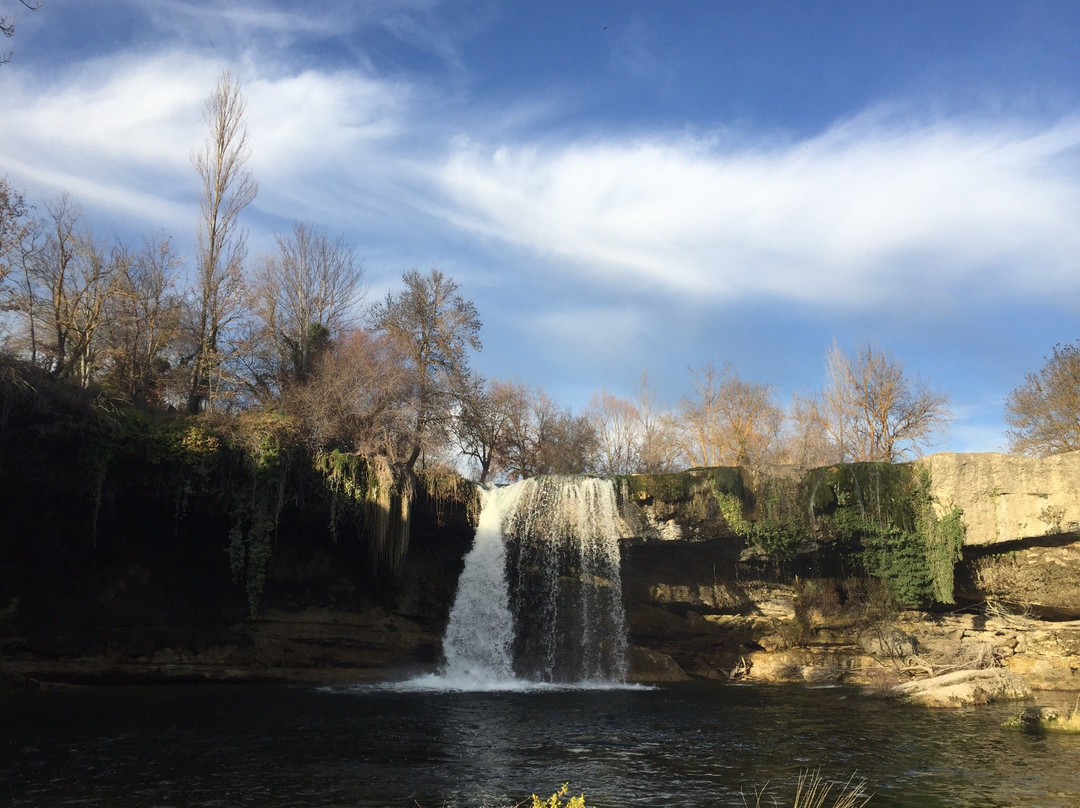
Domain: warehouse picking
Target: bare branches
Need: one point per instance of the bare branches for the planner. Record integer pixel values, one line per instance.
(1044, 412)
(357, 397)
(7, 26)
(228, 187)
(873, 411)
(485, 419)
(144, 316)
(65, 285)
(435, 327)
(616, 422)
(15, 225)
(303, 296)
(728, 421)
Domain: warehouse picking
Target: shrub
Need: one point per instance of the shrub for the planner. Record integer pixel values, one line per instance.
(556, 800)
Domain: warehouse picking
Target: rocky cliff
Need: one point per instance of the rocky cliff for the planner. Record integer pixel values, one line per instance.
(859, 573)
(136, 547)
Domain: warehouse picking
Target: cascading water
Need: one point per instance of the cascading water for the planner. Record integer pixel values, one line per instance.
(480, 634)
(540, 597)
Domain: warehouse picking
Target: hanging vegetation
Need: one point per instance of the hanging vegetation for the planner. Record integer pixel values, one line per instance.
(376, 496)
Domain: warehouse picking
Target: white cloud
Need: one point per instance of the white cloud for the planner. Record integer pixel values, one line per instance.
(119, 134)
(244, 16)
(870, 209)
(876, 210)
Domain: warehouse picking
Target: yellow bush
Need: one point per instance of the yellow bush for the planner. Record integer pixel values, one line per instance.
(556, 800)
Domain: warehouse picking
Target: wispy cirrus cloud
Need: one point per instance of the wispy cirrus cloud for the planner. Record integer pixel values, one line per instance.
(873, 208)
(119, 132)
(881, 209)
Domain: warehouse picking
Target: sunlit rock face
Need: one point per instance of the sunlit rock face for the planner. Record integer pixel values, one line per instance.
(1022, 527)
(1008, 497)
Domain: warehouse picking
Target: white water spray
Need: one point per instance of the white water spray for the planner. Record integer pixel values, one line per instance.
(480, 635)
(554, 612)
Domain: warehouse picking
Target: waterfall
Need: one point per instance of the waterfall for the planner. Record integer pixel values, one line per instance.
(540, 597)
(480, 634)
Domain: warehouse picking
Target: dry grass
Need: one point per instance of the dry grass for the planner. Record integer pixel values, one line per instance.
(813, 791)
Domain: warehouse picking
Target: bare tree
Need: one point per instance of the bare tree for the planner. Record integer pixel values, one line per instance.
(435, 327)
(485, 416)
(303, 296)
(616, 423)
(67, 280)
(1044, 412)
(357, 397)
(544, 438)
(658, 451)
(143, 316)
(228, 187)
(14, 226)
(873, 411)
(807, 442)
(728, 421)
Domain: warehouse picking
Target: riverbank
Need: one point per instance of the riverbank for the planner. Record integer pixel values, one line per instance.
(327, 646)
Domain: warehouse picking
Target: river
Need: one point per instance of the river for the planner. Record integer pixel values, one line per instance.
(699, 744)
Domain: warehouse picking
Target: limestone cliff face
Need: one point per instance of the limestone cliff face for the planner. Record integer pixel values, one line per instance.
(766, 574)
(1007, 498)
(1022, 521)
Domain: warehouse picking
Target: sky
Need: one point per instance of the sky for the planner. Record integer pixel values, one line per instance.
(620, 187)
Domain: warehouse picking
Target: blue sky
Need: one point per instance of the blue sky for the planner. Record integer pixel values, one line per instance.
(618, 186)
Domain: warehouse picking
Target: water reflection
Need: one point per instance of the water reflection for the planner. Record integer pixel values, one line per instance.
(696, 745)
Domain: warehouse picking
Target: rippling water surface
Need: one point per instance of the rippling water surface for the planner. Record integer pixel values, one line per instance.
(692, 745)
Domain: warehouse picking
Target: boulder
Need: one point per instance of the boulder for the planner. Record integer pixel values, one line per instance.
(651, 666)
(965, 688)
(889, 642)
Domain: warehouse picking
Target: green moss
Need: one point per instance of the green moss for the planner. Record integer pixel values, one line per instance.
(375, 496)
(665, 487)
(887, 511)
(731, 508)
(874, 519)
(444, 487)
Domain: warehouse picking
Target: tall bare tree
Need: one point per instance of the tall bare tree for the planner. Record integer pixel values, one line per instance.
(303, 296)
(228, 186)
(436, 327)
(728, 421)
(1044, 412)
(873, 411)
